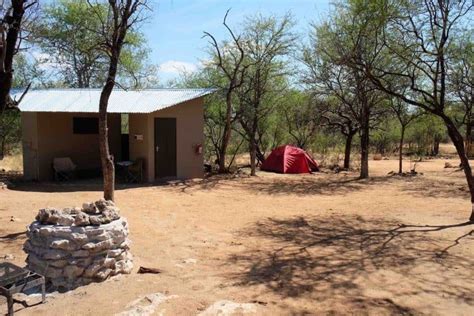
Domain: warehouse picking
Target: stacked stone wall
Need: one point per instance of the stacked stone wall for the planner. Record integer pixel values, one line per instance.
(74, 247)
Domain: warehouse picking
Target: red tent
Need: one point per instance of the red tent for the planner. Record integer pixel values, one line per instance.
(289, 159)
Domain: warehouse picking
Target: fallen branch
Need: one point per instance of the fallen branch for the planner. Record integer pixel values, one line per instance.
(143, 270)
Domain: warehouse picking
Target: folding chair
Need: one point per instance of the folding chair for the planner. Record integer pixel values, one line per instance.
(135, 171)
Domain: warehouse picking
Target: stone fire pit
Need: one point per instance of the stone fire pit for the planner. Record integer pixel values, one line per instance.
(76, 246)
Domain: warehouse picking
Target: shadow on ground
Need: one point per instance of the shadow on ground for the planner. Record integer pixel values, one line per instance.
(303, 185)
(424, 187)
(371, 265)
(288, 184)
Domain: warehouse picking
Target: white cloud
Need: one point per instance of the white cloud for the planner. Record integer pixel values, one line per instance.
(176, 67)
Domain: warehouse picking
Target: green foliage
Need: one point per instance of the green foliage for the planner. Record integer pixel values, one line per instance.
(424, 133)
(70, 34)
(385, 140)
(10, 131)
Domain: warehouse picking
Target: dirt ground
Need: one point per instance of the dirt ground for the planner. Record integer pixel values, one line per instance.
(289, 244)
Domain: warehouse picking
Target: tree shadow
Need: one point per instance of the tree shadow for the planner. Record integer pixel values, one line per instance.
(212, 181)
(94, 185)
(319, 185)
(13, 238)
(423, 187)
(352, 260)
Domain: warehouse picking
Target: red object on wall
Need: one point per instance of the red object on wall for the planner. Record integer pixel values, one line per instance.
(289, 159)
(198, 149)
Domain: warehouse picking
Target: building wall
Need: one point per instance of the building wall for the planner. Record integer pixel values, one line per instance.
(55, 138)
(29, 127)
(140, 148)
(189, 133)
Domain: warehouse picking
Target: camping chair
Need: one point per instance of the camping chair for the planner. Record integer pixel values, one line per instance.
(63, 168)
(135, 171)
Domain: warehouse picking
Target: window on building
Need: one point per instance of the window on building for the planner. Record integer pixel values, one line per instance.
(85, 125)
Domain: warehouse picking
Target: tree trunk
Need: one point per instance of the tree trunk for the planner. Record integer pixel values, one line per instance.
(226, 135)
(259, 154)
(435, 150)
(253, 156)
(107, 160)
(364, 145)
(468, 139)
(347, 151)
(10, 46)
(400, 153)
(458, 142)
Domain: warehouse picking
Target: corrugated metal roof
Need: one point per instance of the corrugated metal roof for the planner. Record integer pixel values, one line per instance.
(121, 101)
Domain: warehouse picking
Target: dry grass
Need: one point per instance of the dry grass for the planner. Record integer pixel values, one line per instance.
(12, 163)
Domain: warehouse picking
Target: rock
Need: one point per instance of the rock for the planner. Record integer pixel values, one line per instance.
(63, 244)
(82, 219)
(114, 253)
(109, 215)
(102, 204)
(82, 262)
(103, 274)
(146, 305)
(8, 256)
(48, 216)
(80, 254)
(95, 220)
(52, 254)
(46, 231)
(65, 220)
(229, 308)
(52, 273)
(76, 210)
(58, 263)
(96, 247)
(79, 238)
(93, 231)
(90, 208)
(72, 271)
(378, 157)
(448, 165)
(124, 266)
(102, 237)
(92, 269)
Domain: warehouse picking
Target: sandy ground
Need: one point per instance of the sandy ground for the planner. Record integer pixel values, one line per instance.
(288, 244)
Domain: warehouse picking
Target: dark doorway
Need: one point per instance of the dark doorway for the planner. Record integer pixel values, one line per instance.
(125, 147)
(165, 147)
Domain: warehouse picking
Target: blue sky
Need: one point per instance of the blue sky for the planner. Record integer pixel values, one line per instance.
(175, 28)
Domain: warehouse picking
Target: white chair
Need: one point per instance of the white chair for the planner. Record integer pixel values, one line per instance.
(63, 168)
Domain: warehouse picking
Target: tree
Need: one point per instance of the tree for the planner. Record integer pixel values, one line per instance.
(68, 34)
(268, 41)
(337, 115)
(124, 16)
(229, 58)
(11, 27)
(405, 116)
(27, 73)
(300, 117)
(418, 40)
(461, 83)
(355, 102)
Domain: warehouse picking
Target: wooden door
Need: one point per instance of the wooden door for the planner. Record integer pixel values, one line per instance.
(165, 147)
